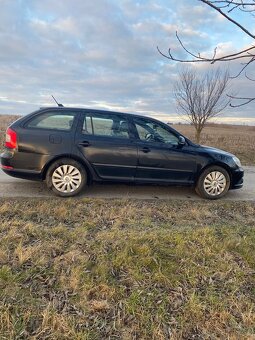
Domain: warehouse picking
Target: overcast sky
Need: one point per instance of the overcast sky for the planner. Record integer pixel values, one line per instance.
(102, 53)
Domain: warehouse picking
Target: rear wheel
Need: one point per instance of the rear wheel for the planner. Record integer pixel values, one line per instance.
(213, 183)
(66, 177)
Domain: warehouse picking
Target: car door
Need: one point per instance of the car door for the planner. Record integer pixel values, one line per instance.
(104, 140)
(160, 157)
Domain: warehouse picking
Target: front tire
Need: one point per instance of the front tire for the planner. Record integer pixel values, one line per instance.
(66, 177)
(213, 183)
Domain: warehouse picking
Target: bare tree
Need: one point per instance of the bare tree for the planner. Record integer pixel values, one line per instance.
(201, 98)
(247, 55)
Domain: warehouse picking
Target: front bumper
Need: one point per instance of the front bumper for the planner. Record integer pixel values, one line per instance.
(237, 178)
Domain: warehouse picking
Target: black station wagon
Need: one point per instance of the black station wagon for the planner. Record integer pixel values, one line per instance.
(71, 147)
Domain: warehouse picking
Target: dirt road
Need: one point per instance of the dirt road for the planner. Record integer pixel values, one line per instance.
(12, 187)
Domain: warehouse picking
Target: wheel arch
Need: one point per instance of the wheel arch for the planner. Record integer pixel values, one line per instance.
(73, 157)
(222, 165)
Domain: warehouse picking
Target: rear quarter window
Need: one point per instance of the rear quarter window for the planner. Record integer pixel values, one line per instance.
(52, 121)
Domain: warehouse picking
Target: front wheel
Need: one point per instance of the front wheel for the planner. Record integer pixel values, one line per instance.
(66, 177)
(213, 183)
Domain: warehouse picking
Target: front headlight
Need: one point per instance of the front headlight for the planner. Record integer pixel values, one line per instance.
(237, 161)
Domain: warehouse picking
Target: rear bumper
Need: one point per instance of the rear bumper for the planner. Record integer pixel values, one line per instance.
(6, 164)
(237, 178)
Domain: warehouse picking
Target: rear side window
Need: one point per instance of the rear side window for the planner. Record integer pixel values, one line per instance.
(52, 121)
(106, 125)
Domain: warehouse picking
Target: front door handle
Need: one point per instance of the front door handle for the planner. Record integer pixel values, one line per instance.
(146, 149)
(85, 143)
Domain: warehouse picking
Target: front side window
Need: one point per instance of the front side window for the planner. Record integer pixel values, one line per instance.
(52, 121)
(151, 131)
(105, 125)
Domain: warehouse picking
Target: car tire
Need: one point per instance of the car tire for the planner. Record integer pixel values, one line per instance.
(66, 177)
(213, 183)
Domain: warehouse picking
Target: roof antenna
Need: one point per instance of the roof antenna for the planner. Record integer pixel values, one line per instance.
(58, 104)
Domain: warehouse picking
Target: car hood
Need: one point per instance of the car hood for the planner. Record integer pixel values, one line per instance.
(215, 150)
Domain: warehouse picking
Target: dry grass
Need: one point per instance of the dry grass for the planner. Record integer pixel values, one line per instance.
(92, 269)
(239, 140)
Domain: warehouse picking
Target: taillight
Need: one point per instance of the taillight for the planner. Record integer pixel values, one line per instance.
(11, 139)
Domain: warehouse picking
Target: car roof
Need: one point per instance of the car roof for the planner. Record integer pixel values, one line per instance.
(64, 108)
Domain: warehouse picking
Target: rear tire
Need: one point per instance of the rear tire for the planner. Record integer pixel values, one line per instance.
(66, 177)
(213, 183)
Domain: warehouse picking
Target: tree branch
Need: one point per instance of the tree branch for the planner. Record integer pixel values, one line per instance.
(246, 101)
(247, 54)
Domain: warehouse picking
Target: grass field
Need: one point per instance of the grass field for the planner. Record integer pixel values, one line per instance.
(239, 140)
(92, 269)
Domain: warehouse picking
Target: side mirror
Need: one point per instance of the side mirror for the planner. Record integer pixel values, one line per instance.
(181, 141)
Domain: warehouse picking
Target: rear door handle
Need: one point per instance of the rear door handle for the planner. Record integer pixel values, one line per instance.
(146, 149)
(85, 143)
